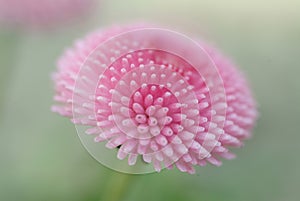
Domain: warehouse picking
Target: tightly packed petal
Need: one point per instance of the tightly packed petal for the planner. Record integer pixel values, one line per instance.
(155, 96)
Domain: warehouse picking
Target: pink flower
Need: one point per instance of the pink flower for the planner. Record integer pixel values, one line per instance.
(156, 94)
(41, 12)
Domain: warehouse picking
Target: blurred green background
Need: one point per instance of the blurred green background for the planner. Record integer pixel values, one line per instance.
(43, 159)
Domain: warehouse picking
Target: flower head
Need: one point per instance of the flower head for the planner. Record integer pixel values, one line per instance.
(36, 13)
(156, 96)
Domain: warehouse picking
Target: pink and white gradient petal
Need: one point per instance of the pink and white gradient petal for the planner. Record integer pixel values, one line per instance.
(154, 103)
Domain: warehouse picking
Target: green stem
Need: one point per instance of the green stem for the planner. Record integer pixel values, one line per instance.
(117, 187)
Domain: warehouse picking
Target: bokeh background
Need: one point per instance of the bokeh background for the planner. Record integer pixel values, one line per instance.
(42, 157)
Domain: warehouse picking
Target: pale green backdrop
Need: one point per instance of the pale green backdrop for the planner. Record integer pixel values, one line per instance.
(43, 159)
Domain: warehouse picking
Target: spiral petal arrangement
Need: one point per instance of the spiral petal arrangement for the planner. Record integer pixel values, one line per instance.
(155, 96)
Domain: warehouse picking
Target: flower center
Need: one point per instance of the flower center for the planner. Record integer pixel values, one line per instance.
(152, 109)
